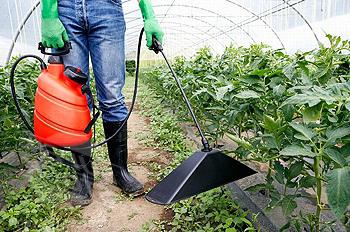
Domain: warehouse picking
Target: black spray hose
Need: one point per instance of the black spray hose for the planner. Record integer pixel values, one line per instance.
(156, 47)
(50, 148)
(43, 66)
(13, 89)
(25, 121)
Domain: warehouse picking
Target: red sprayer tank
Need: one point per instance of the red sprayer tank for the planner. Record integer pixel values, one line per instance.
(61, 111)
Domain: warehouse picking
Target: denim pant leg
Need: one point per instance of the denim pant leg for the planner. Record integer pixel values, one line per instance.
(72, 21)
(106, 44)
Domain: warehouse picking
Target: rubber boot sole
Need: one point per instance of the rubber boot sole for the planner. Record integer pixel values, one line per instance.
(80, 202)
(137, 193)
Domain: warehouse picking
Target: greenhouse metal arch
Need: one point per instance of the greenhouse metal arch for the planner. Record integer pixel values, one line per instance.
(238, 25)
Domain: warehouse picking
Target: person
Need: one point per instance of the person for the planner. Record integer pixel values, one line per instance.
(96, 28)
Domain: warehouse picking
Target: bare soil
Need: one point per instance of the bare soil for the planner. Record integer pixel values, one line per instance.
(113, 211)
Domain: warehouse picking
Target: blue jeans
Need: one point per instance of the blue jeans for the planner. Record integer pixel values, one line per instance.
(97, 28)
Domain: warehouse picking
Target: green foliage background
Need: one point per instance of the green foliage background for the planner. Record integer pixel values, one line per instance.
(291, 112)
(130, 66)
(210, 211)
(13, 134)
(40, 205)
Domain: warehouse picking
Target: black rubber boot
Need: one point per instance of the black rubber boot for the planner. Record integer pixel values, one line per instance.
(81, 194)
(118, 155)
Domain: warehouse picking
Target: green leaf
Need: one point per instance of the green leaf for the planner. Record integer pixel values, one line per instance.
(271, 124)
(250, 80)
(8, 123)
(228, 221)
(291, 184)
(270, 141)
(285, 226)
(295, 170)
(338, 191)
(312, 114)
(336, 156)
(256, 188)
(230, 230)
(288, 205)
(307, 182)
(321, 72)
(307, 132)
(279, 176)
(332, 119)
(279, 90)
(302, 99)
(297, 151)
(347, 106)
(260, 72)
(218, 108)
(303, 66)
(288, 112)
(13, 221)
(338, 133)
(345, 150)
(289, 70)
(246, 94)
(239, 141)
(198, 92)
(220, 93)
(301, 137)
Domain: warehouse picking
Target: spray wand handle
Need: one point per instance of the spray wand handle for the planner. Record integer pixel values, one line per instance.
(156, 45)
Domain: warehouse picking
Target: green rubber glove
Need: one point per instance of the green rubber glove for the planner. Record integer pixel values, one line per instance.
(53, 33)
(151, 25)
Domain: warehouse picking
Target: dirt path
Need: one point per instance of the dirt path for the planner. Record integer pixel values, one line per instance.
(110, 209)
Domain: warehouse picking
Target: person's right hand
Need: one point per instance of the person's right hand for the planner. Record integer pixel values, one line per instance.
(53, 33)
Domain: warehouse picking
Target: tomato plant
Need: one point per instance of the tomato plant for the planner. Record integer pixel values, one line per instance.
(291, 112)
(13, 135)
(37, 206)
(210, 211)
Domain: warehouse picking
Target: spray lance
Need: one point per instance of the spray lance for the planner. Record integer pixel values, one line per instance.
(62, 119)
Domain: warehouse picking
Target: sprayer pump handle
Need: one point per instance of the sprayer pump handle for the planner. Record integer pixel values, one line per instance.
(59, 51)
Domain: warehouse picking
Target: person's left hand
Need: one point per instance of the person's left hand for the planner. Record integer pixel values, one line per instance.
(152, 28)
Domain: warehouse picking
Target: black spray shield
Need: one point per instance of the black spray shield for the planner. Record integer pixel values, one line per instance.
(201, 172)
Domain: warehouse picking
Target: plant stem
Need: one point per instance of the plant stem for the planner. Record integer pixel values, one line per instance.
(318, 190)
(340, 104)
(268, 178)
(240, 130)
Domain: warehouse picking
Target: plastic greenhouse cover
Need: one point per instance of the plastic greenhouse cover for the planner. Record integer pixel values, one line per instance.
(188, 25)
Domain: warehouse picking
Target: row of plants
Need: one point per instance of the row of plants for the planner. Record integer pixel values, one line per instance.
(40, 205)
(130, 66)
(289, 111)
(210, 211)
(13, 134)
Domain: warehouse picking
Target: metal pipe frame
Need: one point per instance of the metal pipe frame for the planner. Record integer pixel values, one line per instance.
(205, 10)
(236, 25)
(243, 24)
(19, 30)
(176, 23)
